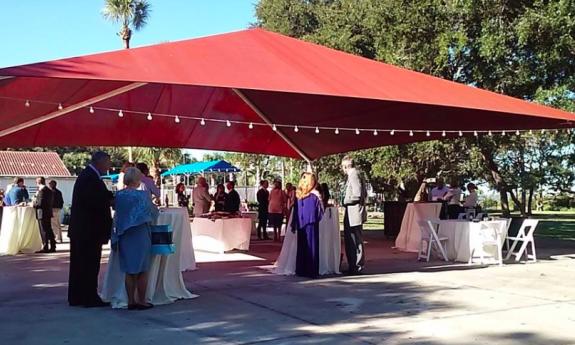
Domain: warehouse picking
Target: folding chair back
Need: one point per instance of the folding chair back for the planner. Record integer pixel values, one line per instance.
(525, 237)
(429, 235)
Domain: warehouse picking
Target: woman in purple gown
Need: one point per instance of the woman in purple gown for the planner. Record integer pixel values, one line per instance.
(307, 214)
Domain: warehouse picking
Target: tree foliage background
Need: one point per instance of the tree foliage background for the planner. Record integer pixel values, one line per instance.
(524, 49)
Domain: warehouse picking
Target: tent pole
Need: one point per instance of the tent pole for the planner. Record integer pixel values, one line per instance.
(267, 120)
(70, 108)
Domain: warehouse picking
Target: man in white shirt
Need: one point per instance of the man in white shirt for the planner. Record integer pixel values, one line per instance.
(439, 192)
(201, 197)
(148, 183)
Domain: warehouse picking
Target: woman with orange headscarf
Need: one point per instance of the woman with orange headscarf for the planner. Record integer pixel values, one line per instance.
(307, 213)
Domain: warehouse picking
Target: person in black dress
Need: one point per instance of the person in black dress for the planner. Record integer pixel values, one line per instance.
(233, 201)
(220, 198)
(263, 200)
(183, 199)
(90, 228)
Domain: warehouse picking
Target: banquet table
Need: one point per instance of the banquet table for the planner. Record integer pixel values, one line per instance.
(463, 236)
(409, 235)
(19, 231)
(165, 281)
(254, 217)
(329, 247)
(221, 235)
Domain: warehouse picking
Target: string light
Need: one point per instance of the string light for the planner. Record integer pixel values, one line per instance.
(517, 132)
(91, 110)
(274, 128)
(177, 119)
(295, 129)
(27, 104)
(542, 131)
(443, 133)
(530, 131)
(317, 130)
(60, 107)
(337, 131)
(460, 133)
(251, 125)
(203, 122)
(427, 134)
(357, 131)
(375, 132)
(228, 123)
(120, 113)
(503, 133)
(475, 133)
(149, 117)
(410, 133)
(490, 134)
(392, 132)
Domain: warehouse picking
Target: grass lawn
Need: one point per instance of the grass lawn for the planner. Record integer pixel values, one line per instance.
(553, 224)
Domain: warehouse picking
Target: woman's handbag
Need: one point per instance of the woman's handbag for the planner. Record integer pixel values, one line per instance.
(162, 243)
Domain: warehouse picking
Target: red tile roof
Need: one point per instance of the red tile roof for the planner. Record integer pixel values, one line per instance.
(18, 163)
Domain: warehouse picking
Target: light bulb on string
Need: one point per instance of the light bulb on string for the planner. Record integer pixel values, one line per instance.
(475, 133)
(295, 129)
(274, 128)
(427, 134)
(251, 125)
(149, 117)
(392, 132)
(60, 107)
(460, 133)
(177, 119)
(410, 133)
(120, 113)
(542, 131)
(27, 104)
(203, 122)
(517, 132)
(489, 133)
(443, 133)
(357, 131)
(337, 131)
(91, 110)
(530, 131)
(503, 133)
(375, 132)
(317, 130)
(228, 123)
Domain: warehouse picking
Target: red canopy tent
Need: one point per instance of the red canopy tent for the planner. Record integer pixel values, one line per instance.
(250, 91)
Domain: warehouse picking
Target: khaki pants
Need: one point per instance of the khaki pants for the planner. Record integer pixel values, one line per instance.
(56, 224)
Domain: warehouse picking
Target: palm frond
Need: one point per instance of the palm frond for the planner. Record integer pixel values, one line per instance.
(127, 12)
(141, 12)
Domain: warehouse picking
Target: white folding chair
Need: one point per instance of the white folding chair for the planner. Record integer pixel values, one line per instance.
(524, 235)
(429, 239)
(489, 237)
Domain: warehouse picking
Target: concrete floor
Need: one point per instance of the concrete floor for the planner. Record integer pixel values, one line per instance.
(397, 301)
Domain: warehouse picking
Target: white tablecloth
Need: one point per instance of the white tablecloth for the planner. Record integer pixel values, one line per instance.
(329, 247)
(463, 236)
(179, 218)
(410, 234)
(254, 217)
(165, 281)
(221, 235)
(20, 231)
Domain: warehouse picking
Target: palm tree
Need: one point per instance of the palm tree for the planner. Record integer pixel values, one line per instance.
(132, 14)
(158, 158)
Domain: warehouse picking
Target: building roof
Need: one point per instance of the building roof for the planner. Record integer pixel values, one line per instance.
(20, 163)
(200, 167)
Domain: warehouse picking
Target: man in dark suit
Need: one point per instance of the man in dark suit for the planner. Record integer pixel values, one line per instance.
(43, 206)
(233, 201)
(90, 228)
(263, 201)
(57, 206)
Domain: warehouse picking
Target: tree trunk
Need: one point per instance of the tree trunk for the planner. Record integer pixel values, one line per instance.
(504, 203)
(126, 35)
(497, 179)
(530, 202)
(517, 202)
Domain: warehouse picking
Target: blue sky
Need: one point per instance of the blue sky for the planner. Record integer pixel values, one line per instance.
(40, 30)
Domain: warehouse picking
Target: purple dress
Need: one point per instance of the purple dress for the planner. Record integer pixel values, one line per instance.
(306, 217)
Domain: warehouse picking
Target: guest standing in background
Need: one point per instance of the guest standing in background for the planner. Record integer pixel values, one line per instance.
(131, 237)
(57, 206)
(263, 203)
(90, 225)
(307, 214)
(471, 199)
(18, 193)
(233, 200)
(43, 205)
(439, 192)
(183, 198)
(120, 183)
(453, 198)
(201, 197)
(220, 198)
(276, 208)
(355, 216)
(148, 183)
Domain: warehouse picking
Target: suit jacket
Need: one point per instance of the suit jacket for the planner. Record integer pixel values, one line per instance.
(58, 200)
(43, 204)
(354, 199)
(202, 200)
(233, 201)
(90, 217)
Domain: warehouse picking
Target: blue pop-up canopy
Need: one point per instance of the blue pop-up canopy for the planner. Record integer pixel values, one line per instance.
(112, 177)
(202, 167)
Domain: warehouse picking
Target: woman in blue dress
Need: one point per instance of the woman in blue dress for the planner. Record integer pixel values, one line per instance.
(307, 213)
(131, 237)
